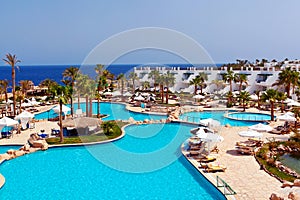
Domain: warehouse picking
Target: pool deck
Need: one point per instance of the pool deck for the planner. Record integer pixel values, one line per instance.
(243, 173)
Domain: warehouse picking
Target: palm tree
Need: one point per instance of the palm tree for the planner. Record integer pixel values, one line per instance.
(241, 78)
(202, 78)
(20, 97)
(70, 74)
(62, 92)
(229, 77)
(195, 81)
(4, 86)
(285, 79)
(154, 75)
(244, 97)
(83, 88)
(270, 95)
(146, 85)
(161, 81)
(133, 77)
(281, 97)
(25, 85)
(169, 81)
(48, 83)
(12, 61)
(121, 78)
(294, 80)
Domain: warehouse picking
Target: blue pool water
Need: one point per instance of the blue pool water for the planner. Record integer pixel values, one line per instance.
(250, 116)
(115, 111)
(217, 115)
(101, 171)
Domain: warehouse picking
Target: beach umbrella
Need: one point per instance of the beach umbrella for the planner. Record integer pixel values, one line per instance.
(209, 137)
(209, 122)
(24, 117)
(116, 93)
(286, 117)
(294, 103)
(9, 101)
(6, 121)
(139, 98)
(108, 93)
(253, 97)
(65, 109)
(260, 127)
(145, 94)
(288, 100)
(198, 96)
(250, 133)
(127, 94)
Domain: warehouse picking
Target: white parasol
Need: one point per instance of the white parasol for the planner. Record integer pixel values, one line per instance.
(260, 127)
(250, 133)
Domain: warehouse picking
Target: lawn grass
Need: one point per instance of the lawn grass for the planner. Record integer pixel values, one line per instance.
(96, 137)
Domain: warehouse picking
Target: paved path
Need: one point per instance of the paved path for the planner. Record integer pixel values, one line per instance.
(243, 173)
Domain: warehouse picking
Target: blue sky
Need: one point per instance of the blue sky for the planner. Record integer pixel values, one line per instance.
(65, 31)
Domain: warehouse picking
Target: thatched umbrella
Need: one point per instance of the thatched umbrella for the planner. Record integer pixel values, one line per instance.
(81, 122)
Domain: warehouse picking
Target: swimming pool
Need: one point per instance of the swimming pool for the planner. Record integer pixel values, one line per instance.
(248, 116)
(217, 115)
(101, 172)
(115, 111)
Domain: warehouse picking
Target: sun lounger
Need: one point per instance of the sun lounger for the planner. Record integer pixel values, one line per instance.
(215, 168)
(245, 150)
(205, 159)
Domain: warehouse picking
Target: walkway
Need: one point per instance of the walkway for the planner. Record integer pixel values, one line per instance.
(243, 173)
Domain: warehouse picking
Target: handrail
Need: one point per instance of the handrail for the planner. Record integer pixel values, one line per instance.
(227, 189)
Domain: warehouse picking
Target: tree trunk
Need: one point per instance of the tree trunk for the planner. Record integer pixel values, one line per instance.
(167, 95)
(14, 89)
(91, 107)
(282, 106)
(78, 100)
(195, 89)
(230, 86)
(201, 89)
(86, 105)
(162, 93)
(61, 135)
(6, 96)
(98, 107)
(72, 109)
(272, 111)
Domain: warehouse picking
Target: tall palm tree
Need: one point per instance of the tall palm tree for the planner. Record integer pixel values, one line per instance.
(161, 81)
(241, 79)
(295, 80)
(202, 78)
(133, 77)
(83, 88)
(229, 77)
(121, 78)
(285, 79)
(4, 86)
(195, 81)
(12, 61)
(244, 98)
(169, 81)
(62, 92)
(281, 97)
(270, 95)
(70, 74)
(154, 75)
(20, 97)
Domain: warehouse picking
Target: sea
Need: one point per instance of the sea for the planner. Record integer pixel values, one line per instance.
(38, 73)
